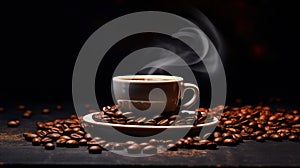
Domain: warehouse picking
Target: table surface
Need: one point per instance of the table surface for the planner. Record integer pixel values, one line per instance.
(14, 150)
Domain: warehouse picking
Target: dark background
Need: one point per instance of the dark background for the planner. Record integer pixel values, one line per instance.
(40, 41)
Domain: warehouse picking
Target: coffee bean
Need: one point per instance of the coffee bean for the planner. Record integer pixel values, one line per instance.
(58, 107)
(13, 123)
(229, 142)
(21, 107)
(88, 136)
(275, 137)
(143, 144)
(49, 146)
(27, 114)
(46, 140)
(61, 142)
(218, 140)
(198, 145)
(118, 146)
(108, 146)
(150, 149)
(82, 142)
(294, 137)
(46, 110)
(72, 144)
(134, 149)
(95, 149)
(154, 142)
(226, 135)
(30, 136)
(217, 134)
(260, 139)
(172, 147)
(36, 141)
(212, 145)
(54, 136)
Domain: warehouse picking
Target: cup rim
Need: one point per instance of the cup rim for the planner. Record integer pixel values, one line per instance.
(173, 78)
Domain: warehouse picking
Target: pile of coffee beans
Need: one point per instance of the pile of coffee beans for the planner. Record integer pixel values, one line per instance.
(111, 114)
(236, 124)
(258, 123)
(61, 133)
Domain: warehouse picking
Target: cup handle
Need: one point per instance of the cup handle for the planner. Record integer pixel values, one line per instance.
(195, 97)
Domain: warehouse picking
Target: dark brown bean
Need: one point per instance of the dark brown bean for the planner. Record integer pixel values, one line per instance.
(46, 110)
(118, 146)
(95, 149)
(218, 140)
(82, 142)
(217, 134)
(61, 142)
(212, 145)
(163, 122)
(172, 147)
(72, 144)
(30, 136)
(227, 135)
(58, 107)
(108, 146)
(21, 107)
(260, 139)
(46, 140)
(150, 149)
(36, 141)
(49, 146)
(134, 149)
(13, 123)
(294, 137)
(198, 145)
(27, 114)
(275, 137)
(229, 142)
(54, 136)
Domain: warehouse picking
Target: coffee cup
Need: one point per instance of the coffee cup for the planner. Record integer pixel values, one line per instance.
(150, 95)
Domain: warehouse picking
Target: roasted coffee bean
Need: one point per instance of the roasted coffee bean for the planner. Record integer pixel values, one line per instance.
(118, 146)
(21, 107)
(179, 144)
(172, 147)
(46, 110)
(237, 137)
(218, 140)
(92, 143)
(229, 142)
(88, 136)
(61, 142)
(54, 136)
(134, 149)
(40, 125)
(27, 114)
(58, 107)
(260, 139)
(13, 123)
(150, 149)
(294, 137)
(211, 145)
(217, 134)
(82, 142)
(76, 136)
(95, 149)
(266, 136)
(151, 122)
(36, 141)
(154, 142)
(30, 136)
(143, 144)
(198, 145)
(49, 146)
(275, 137)
(46, 140)
(132, 122)
(227, 135)
(108, 146)
(72, 144)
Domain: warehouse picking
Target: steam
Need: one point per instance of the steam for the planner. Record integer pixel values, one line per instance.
(202, 48)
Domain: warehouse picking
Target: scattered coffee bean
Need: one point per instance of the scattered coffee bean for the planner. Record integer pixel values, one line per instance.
(150, 149)
(95, 149)
(260, 139)
(49, 146)
(58, 107)
(275, 137)
(46, 110)
(27, 114)
(134, 149)
(13, 123)
(21, 107)
(118, 146)
(61, 142)
(172, 147)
